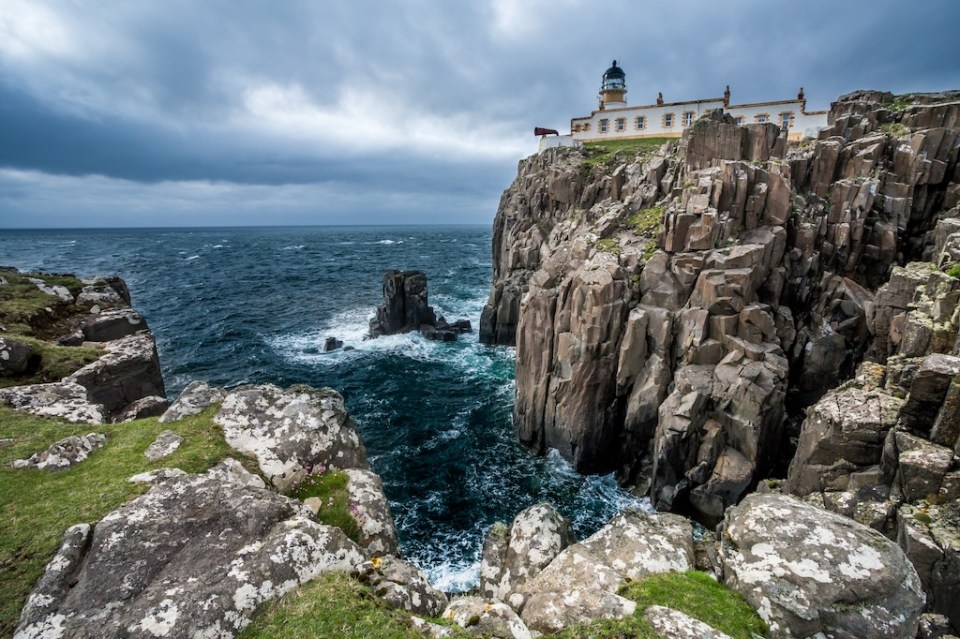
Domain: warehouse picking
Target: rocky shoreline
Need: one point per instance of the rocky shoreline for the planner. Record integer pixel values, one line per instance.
(672, 310)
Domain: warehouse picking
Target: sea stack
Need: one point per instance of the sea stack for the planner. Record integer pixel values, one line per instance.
(405, 309)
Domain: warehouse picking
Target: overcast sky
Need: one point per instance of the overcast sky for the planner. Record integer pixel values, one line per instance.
(242, 112)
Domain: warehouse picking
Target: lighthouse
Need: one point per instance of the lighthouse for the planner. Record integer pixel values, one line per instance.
(614, 87)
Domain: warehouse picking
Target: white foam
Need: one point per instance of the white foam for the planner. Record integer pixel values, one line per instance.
(193, 257)
(295, 247)
(217, 246)
(454, 576)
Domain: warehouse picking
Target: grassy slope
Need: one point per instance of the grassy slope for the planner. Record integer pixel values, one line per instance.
(24, 318)
(36, 507)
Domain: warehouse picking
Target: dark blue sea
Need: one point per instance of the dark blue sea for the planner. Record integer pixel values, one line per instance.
(247, 305)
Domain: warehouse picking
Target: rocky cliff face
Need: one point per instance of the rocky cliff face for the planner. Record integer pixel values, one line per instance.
(674, 308)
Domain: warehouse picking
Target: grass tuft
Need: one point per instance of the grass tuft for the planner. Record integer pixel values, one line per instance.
(330, 487)
(333, 606)
(646, 222)
(604, 153)
(694, 593)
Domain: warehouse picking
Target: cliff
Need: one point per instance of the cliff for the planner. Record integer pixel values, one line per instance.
(676, 307)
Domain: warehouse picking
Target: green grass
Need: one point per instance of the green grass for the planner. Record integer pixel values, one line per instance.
(646, 222)
(36, 507)
(693, 593)
(56, 362)
(22, 304)
(331, 488)
(604, 152)
(609, 245)
(954, 271)
(894, 129)
(334, 606)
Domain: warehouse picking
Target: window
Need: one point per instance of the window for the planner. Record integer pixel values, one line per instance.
(762, 118)
(688, 118)
(640, 122)
(667, 119)
(786, 119)
(739, 120)
(621, 124)
(604, 124)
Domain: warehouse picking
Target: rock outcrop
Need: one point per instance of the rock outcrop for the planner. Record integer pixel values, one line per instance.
(675, 309)
(810, 573)
(218, 551)
(405, 309)
(291, 431)
(64, 453)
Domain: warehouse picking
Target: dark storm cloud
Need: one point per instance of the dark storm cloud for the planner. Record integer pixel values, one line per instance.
(425, 106)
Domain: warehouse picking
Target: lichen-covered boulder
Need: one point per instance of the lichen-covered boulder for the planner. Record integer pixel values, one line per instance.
(64, 453)
(673, 624)
(291, 431)
(537, 536)
(193, 557)
(550, 612)
(581, 583)
(62, 400)
(16, 357)
(194, 399)
(402, 585)
(370, 509)
(164, 445)
(809, 571)
(486, 618)
(149, 406)
(128, 370)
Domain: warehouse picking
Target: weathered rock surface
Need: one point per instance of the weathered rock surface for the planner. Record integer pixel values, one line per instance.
(402, 585)
(217, 553)
(808, 571)
(930, 537)
(290, 431)
(63, 400)
(194, 399)
(113, 324)
(64, 453)
(512, 557)
(486, 618)
(149, 406)
(16, 357)
(128, 370)
(581, 583)
(370, 509)
(405, 309)
(164, 445)
(673, 624)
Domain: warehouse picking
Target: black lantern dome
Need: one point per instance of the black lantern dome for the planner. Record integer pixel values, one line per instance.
(614, 79)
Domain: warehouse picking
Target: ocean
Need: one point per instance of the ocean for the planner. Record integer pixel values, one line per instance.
(253, 305)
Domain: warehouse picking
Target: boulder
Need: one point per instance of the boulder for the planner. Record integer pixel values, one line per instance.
(113, 324)
(369, 507)
(332, 344)
(290, 431)
(64, 453)
(581, 583)
(402, 585)
(17, 357)
(218, 552)
(809, 571)
(128, 370)
(149, 406)
(537, 535)
(486, 618)
(164, 445)
(550, 612)
(62, 400)
(673, 624)
(194, 399)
